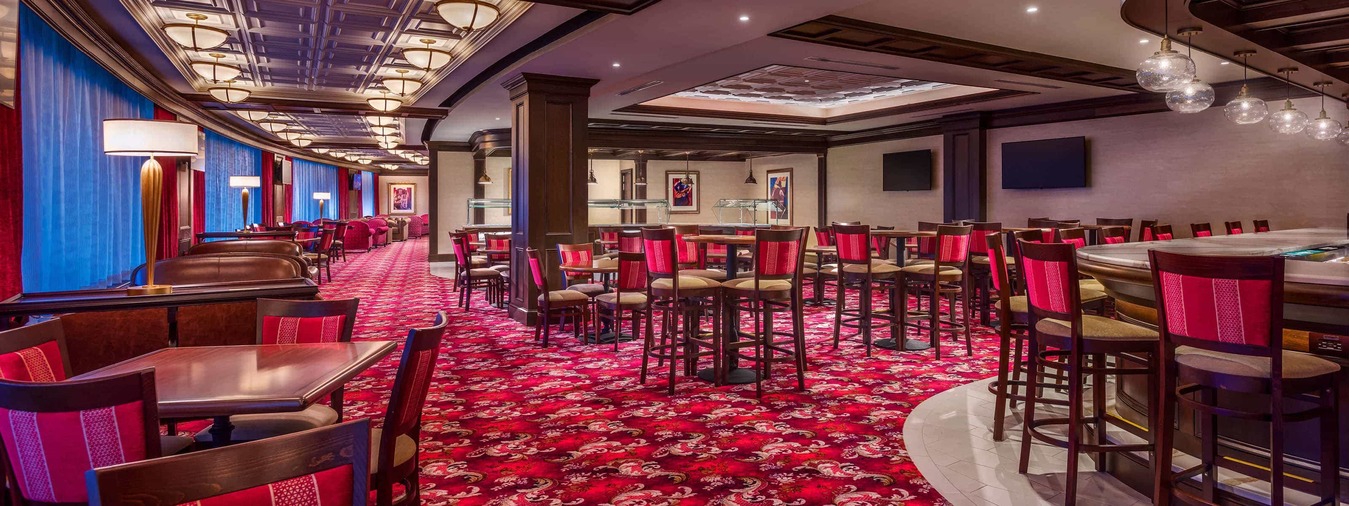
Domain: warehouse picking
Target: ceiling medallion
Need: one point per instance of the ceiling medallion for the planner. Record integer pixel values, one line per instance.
(403, 85)
(427, 58)
(215, 71)
(195, 36)
(384, 103)
(229, 94)
(468, 15)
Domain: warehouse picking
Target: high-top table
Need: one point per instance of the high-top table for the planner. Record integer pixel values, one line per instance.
(735, 375)
(893, 343)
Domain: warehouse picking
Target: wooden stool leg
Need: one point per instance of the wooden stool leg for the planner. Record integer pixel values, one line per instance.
(1075, 380)
(1031, 398)
(1208, 442)
(1330, 444)
(799, 341)
(1276, 448)
(648, 340)
(1164, 440)
(767, 337)
(1098, 407)
(838, 305)
(934, 319)
(1000, 406)
(674, 352)
(865, 312)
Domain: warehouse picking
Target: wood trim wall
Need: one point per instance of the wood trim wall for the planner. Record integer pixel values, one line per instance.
(964, 167)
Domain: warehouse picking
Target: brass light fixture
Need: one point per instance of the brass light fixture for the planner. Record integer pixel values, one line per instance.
(750, 179)
(485, 179)
(591, 180)
(291, 135)
(468, 15)
(194, 36)
(384, 130)
(427, 58)
(229, 94)
(641, 175)
(1166, 69)
(384, 103)
(688, 173)
(402, 85)
(215, 71)
(1289, 120)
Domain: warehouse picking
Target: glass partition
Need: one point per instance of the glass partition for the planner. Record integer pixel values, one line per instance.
(657, 212)
(745, 211)
(488, 204)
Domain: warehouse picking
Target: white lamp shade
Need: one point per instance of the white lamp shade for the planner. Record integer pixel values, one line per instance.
(196, 37)
(273, 126)
(384, 129)
(253, 115)
(302, 142)
(144, 137)
(388, 138)
(290, 135)
(387, 145)
(402, 85)
(322, 196)
(245, 181)
(229, 95)
(384, 104)
(381, 120)
(426, 58)
(216, 72)
(320, 150)
(467, 14)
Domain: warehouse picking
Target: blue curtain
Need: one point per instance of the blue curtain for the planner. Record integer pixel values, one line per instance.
(307, 178)
(368, 193)
(81, 207)
(225, 158)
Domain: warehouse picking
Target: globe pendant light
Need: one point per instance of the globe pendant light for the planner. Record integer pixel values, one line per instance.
(384, 103)
(215, 71)
(229, 94)
(1288, 120)
(381, 120)
(1195, 95)
(195, 36)
(427, 58)
(1165, 70)
(468, 15)
(1343, 137)
(1246, 109)
(750, 179)
(402, 85)
(1323, 128)
(253, 115)
(591, 180)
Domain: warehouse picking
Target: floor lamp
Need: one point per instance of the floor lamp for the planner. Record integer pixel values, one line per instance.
(150, 138)
(244, 183)
(322, 197)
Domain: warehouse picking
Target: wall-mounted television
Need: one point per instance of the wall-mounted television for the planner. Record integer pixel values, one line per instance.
(355, 181)
(1048, 163)
(907, 171)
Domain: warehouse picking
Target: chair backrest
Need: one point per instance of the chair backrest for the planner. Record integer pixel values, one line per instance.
(779, 253)
(54, 432)
(1045, 222)
(1261, 225)
(416, 370)
(1050, 272)
(462, 258)
(715, 249)
(329, 466)
(745, 231)
(306, 321)
(1201, 230)
(537, 270)
(223, 268)
(824, 237)
(981, 230)
(609, 235)
(576, 255)
(1145, 231)
(1113, 235)
(498, 241)
(953, 245)
(1225, 304)
(1233, 227)
(688, 251)
(1001, 276)
(660, 252)
(1162, 233)
(1115, 222)
(853, 243)
(1074, 236)
(880, 245)
(927, 246)
(247, 246)
(630, 241)
(631, 273)
(34, 352)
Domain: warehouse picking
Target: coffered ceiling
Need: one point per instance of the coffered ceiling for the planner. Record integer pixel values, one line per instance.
(789, 85)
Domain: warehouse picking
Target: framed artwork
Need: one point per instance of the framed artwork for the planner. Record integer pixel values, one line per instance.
(402, 198)
(780, 191)
(683, 196)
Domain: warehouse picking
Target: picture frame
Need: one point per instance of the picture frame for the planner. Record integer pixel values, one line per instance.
(781, 188)
(402, 198)
(683, 198)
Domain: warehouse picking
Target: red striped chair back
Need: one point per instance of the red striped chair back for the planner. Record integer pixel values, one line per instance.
(953, 244)
(927, 246)
(630, 241)
(852, 243)
(462, 257)
(661, 255)
(1113, 235)
(537, 270)
(1162, 233)
(499, 242)
(997, 262)
(1201, 230)
(576, 255)
(306, 321)
(1233, 227)
(824, 237)
(34, 352)
(745, 231)
(631, 272)
(979, 235)
(416, 370)
(1050, 272)
(1074, 236)
(1261, 226)
(688, 251)
(328, 466)
(716, 250)
(609, 236)
(1145, 231)
(778, 253)
(1225, 304)
(54, 432)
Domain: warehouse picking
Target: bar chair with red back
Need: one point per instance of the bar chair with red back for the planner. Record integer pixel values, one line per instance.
(683, 301)
(692, 260)
(1113, 235)
(338, 248)
(1162, 233)
(329, 466)
(394, 454)
(472, 274)
(980, 263)
(629, 295)
(715, 254)
(1092, 292)
(1201, 230)
(947, 276)
(556, 304)
(1233, 227)
(579, 255)
(775, 288)
(54, 432)
(498, 242)
(880, 245)
(1063, 337)
(858, 272)
(1145, 232)
(1221, 321)
(1127, 223)
(35, 352)
(630, 241)
(1261, 226)
(320, 255)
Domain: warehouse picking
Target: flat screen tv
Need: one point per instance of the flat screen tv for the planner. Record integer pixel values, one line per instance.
(907, 171)
(355, 181)
(1049, 163)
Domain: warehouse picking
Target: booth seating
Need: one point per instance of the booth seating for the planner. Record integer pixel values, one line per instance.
(265, 247)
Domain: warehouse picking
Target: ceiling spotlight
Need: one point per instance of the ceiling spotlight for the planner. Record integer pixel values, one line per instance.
(1032, 9)
(215, 71)
(383, 103)
(229, 94)
(1224, 62)
(253, 115)
(617, 65)
(273, 126)
(384, 129)
(427, 58)
(402, 85)
(468, 15)
(302, 142)
(744, 18)
(195, 36)
(381, 120)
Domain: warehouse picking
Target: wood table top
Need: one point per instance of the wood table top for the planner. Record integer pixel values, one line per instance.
(108, 299)
(903, 234)
(597, 268)
(210, 381)
(738, 240)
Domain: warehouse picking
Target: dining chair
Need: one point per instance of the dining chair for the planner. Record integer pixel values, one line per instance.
(629, 295)
(555, 304)
(1113, 235)
(630, 241)
(980, 262)
(1013, 317)
(328, 466)
(1233, 227)
(775, 288)
(320, 255)
(579, 255)
(395, 452)
(498, 242)
(860, 273)
(1221, 321)
(338, 248)
(683, 301)
(947, 275)
(286, 322)
(471, 273)
(1261, 226)
(1145, 232)
(692, 260)
(35, 352)
(714, 254)
(880, 245)
(54, 432)
(1162, 233)
(1074, 236)
(1093, 293)
(1062, 336)
(924, 247)
(1201, 230)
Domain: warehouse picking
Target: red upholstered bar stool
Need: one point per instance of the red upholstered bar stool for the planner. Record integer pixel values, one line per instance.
(629, 296)
(609, 240)
(683, 302)
(394, 448)
(1261, 226)
(858, 272)
(579, 255)
(924, 248)
(1093, 294)
(1063, 337)
(980, 270)
(1145, 232)
(947, 276)
(1113, 235)
(1201, 230)
(468, 277)
(1233, 227)
(559, 304)
(1162, 233)
(500, 262)
(880, 246)
(692, 261)
(775, 288)
(1127, 223)
(715, 254)
(1221, 320)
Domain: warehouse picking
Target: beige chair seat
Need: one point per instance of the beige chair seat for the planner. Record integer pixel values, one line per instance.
(877, 268)
(918, 261)
(483, 273)
(809, 270)
(1021, 304)
(404, 448)
(764, 285)
(1096, 327)
(685, 283)
(500, 268)
(984, 260)
(1296, 365)
(589, 289)
(567, 295)
(1091, 284)
(948, 273)
(628, 299)
(606, 263)
(264, 425)
(477, 260)
(713, 274)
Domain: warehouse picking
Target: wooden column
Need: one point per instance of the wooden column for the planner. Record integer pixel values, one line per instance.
(479, 191)
(639, 190)
(822, 190)
(549, 120)
(964, 167)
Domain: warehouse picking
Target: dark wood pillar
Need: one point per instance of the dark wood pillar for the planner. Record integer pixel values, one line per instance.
(549, 119)
(965, 180)
(479, 191)
(639, 186)
(822, 190)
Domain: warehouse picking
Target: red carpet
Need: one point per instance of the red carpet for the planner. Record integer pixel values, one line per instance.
(510, 423)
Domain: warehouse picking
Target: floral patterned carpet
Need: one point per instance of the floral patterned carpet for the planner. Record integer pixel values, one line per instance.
(507, 422)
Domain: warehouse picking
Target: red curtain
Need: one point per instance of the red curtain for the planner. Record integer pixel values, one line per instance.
(375, 184)
(198, 203)
(268, 215)
(343, 193)
(168, 202)
(11, 199)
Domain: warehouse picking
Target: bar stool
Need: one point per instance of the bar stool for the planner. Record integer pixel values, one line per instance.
(1201, 230)
(468, 277)
(857, 270)
(1233, 227)
(1113, 235)
(774, 288)
(880, 245)
(1221, 321)
(1261, 226)
(1162, 233)
(1063, 337)
(1093, 293)
(692, 261)
(947, 275)
(559, 304)
(682, 301)
(579, 255)
(629, 295)
(715, 253)
(980, 273)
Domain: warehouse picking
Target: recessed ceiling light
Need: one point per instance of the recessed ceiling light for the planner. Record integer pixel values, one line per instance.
(1032, 9)
(744, 17)
(1224, 62)
(1142, 41)
(498, 119)
(616, 65)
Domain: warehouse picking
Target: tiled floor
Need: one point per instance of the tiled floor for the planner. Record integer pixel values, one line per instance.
(950, 438)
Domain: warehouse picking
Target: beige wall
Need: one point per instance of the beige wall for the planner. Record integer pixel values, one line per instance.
(718, 180)
(454, 186)
(805, 179)
(1182, 169)
(855, 191)
(423, 193)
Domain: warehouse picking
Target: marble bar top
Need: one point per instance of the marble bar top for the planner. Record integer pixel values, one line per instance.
(1135, 254)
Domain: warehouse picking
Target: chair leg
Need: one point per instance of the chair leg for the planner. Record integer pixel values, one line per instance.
(1276, 449)
(547, 327)
(799, 341)
(1029, 417)
(934, 320)
(674, 353)
(1330, 444)
(1208, 443)
(648, 340)
(1165, 437)
(965, 313)
(1000, 404)
(1098, 407)
(838, 306)
(865, 319)
(1074, 426)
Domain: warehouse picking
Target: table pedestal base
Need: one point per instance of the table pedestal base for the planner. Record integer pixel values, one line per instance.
(733, 377)
(909, 344)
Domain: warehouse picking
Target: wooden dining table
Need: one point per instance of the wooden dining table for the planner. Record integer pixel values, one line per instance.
(219, 381)
(900, 248)
(735, 375)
